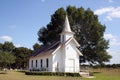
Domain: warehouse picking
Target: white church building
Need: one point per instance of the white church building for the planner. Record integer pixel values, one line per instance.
(59, 56)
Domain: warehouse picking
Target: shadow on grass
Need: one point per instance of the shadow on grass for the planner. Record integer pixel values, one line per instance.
(92, 73)
(21, 71)
(3, 72)
(96, 72)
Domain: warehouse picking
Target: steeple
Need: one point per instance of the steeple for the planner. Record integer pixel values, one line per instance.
(67, 32)
(66, 25)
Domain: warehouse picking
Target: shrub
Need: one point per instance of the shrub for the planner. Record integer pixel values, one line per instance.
(52, 73)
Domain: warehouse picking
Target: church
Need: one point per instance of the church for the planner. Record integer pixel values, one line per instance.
(59, 56)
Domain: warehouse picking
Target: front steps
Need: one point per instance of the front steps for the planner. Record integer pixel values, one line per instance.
(86, 75)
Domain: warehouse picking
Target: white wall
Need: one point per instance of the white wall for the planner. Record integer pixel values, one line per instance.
(58, 61)
(39, 62)
(65, 36)
(68, 36)
(66, 59)
(72, 58)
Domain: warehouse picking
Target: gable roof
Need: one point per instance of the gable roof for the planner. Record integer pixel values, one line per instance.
(52, 48)
(45, 50)
(77, 45)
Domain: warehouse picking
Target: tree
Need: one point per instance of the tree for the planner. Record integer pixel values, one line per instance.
(88, 32)
(36, 46)
(8, 46)
(21, 54)
(6, 55)
(54, 28)
(6, 59)
(1, 45)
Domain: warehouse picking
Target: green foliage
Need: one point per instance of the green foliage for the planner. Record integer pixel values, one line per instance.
(36, 46)
(8, 46)
(54, 28)
(52, 73)
(1, 45)
(107, 66)
(6, 58)
(88, 32)
(10, 56)
(21, 54)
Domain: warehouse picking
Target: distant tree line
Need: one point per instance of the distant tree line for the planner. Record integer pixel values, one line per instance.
(86, 66)
(107, 66)
(15, 57)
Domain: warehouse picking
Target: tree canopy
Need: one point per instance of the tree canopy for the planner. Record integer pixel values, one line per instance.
(36, 46)
(88, 31)
(7, 46)
(21, 54)
(6, 59)
(11, 56)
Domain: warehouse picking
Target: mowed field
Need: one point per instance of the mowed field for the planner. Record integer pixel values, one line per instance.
(105, 74)
(14, 75)
(100, 74)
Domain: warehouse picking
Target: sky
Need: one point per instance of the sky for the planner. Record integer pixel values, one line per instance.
(20, 20)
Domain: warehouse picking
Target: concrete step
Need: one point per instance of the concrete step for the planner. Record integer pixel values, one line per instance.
(86, 75)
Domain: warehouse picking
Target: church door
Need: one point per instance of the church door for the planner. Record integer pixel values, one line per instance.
(71, 65)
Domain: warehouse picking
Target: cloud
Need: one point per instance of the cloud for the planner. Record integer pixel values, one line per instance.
(6, 38)
(110, 12)
(113, 39)
(104, 10)
(115, 56)
(114, 14)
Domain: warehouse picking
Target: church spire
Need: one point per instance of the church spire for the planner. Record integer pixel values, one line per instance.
(67, 32)
(66, 25)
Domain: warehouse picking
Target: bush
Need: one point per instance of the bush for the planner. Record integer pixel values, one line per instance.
(52, 73)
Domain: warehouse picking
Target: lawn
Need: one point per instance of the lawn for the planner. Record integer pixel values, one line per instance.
(14, 75)
(105, 74)
(100, 74)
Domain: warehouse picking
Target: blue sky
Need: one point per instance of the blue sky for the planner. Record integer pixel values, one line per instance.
(20, 20)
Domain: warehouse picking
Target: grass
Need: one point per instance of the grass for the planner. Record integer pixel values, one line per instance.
(105, 74)
(14, 75)
(100, 74)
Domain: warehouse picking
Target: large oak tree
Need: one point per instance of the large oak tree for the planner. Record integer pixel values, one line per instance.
(88, 31)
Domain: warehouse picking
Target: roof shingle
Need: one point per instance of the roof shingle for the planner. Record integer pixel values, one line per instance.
(47, 49)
